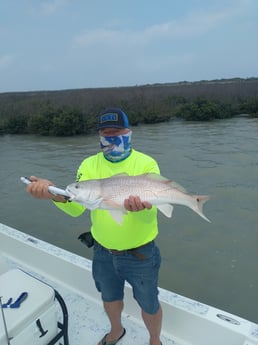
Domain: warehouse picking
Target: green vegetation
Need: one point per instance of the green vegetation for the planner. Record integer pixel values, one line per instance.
(72, 112)
(204, 110)
(250, 106)
(57, 122)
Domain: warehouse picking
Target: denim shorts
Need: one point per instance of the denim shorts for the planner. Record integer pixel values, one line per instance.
(110, 271)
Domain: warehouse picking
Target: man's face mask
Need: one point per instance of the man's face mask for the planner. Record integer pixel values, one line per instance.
(116, 148)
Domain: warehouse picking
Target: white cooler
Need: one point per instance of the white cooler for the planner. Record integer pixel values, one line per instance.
(35, 321)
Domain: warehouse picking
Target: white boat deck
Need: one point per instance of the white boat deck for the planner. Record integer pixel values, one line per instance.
(88, 323)
(186, 322)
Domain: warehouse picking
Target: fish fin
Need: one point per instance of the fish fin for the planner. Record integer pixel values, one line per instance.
(166, 209)
(165, 180)
(200, 201)
(154, 176)
(177, 186)
(114, 209)
(117, 215)
(110, 204)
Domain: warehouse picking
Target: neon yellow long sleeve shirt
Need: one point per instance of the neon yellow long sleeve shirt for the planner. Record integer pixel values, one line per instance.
(137, 228)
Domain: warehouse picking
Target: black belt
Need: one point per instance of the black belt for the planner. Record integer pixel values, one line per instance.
(133, 251)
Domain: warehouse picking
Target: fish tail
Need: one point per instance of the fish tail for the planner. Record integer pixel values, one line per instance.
(198, 208)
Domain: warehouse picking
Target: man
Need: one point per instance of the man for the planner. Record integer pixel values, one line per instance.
(125, 252)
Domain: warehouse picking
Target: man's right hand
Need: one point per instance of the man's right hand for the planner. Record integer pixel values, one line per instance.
(39, 189)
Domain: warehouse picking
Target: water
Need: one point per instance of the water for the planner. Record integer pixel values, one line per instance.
(213, 263)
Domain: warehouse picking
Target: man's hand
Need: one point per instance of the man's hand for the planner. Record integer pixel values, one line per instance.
(134, 204)
(39, 189)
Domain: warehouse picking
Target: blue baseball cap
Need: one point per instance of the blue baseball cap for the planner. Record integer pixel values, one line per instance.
(113, 118)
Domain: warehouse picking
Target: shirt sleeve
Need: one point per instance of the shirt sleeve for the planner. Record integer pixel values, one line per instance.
(72, 208)
(151, 167)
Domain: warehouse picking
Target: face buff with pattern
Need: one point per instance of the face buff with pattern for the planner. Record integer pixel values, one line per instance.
(116, 148)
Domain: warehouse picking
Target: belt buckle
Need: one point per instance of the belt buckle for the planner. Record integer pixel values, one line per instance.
(116, 252)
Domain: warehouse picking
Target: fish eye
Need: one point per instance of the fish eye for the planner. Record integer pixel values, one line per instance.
(77, 186)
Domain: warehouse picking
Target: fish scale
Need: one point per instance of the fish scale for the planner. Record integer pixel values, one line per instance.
(118, 188)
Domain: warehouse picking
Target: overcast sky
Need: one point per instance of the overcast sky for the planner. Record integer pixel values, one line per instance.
(70, 44)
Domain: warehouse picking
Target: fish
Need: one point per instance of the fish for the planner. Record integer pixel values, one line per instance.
(109, 194)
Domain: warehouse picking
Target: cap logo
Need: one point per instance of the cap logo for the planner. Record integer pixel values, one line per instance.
(109, 117)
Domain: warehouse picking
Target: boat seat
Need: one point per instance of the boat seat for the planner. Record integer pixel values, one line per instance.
(39, 304)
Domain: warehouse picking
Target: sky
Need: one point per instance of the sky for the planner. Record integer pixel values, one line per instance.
(73, 44)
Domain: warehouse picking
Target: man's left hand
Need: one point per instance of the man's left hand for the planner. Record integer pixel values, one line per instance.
(134, 204)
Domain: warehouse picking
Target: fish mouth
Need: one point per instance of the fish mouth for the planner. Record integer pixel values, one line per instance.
(71, 195)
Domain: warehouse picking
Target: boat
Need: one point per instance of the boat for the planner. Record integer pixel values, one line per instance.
(81, 319)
